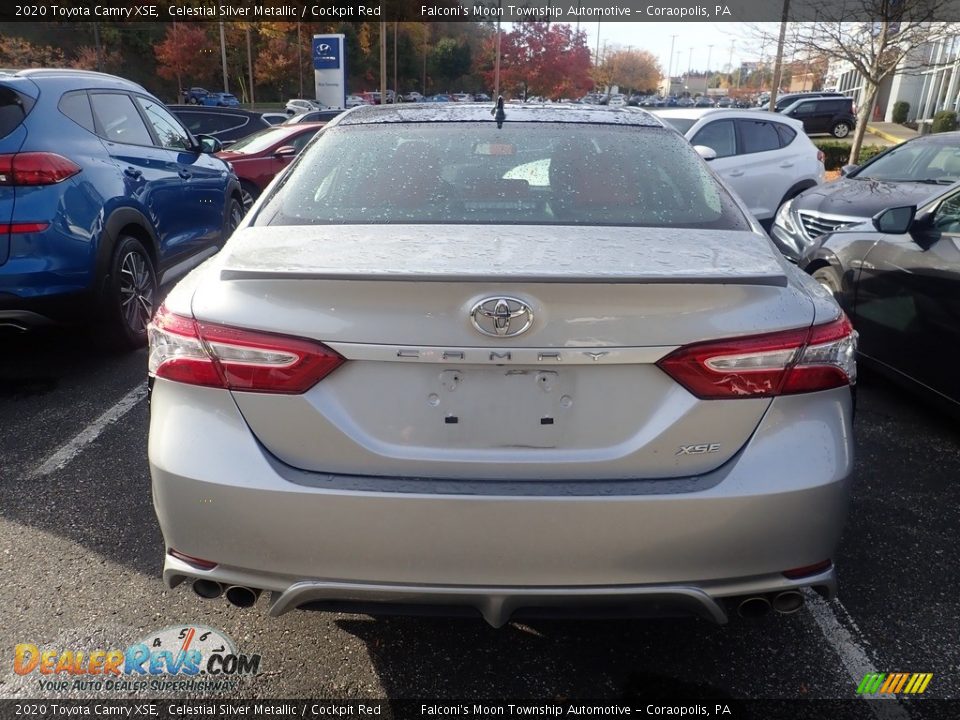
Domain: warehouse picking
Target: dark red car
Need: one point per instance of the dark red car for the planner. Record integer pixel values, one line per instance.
(259, 157)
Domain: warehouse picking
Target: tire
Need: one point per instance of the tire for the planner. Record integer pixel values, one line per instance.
(249, 193)
(840, 130)
(130, 295)
(830, 280)
(235, 214)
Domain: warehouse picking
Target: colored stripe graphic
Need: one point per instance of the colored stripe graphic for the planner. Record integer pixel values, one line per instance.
(922, 685)
(870, 683)
(893, 683)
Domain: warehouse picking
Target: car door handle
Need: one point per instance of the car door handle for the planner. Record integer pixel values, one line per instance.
(736, 173)
(786, 164)
(133, 173)
(184, 174)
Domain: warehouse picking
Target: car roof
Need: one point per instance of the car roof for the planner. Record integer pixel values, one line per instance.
(483, 112)
(296, 127)
(694, 113)
(747, 113)
(64, 79)
(214, 109)
(815, 98)
(811, 93)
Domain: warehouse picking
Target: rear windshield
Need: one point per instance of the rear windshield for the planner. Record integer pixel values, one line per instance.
(259, 141)
(14, 107)
(527, 173)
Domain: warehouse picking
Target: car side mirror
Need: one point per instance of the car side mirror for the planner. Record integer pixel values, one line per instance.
(923, 231)
(847, 169)
(707, 153)
(209, 144)
(895, 221)
(285, 151)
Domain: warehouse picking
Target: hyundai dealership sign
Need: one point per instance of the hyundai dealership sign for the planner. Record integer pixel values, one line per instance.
(329, 70)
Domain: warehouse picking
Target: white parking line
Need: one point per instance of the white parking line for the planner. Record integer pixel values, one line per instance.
(70, 450)
(847, 641)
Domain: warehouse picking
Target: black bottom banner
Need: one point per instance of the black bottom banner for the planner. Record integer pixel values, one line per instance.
(873, 709)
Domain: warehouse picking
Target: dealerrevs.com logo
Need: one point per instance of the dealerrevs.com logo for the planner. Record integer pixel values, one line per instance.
(176, 659)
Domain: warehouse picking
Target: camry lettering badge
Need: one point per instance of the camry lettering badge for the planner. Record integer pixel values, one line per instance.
(501, 316)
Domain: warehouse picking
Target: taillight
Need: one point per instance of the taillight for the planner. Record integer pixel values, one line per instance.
(36, 168)
(22, 227)
(781, 363)
(197, 353)
(820, 156)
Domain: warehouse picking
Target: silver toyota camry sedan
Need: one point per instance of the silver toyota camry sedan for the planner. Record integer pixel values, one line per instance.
(531, 362)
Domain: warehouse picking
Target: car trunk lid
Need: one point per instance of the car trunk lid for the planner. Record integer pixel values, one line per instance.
(425, 392)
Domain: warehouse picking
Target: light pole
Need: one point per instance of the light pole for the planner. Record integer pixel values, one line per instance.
(223, 58)
(673, 39)
(383, 63)
(778, 63)
(253, 99)
(96, 42)
(300, 58)
(678, 66)
(496, 68)
(423, 84)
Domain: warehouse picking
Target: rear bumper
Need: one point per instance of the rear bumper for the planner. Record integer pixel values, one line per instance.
(500, 548)
(26, 313)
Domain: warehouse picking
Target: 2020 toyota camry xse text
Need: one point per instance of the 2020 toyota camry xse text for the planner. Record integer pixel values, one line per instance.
(534, 362)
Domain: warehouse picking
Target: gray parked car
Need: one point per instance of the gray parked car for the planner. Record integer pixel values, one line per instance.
(540, 361)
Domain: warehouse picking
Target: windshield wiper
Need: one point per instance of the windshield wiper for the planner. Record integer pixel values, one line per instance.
(925, 181)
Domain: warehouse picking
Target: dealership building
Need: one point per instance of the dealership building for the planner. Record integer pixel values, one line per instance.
(928, 79)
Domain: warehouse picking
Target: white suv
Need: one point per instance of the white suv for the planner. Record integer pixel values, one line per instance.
(767, 159)
(299, 106)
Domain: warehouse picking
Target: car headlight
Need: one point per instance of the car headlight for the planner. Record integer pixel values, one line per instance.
(784, 218)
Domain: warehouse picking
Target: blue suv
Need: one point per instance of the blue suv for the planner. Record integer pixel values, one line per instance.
(104, 198)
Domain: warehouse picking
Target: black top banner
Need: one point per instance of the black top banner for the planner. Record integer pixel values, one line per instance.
(569, 11)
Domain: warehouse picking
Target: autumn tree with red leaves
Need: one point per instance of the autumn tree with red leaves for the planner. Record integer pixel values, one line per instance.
(540, 58)
(277, 63)
(19, 53)
(110, 60)
(187, 54)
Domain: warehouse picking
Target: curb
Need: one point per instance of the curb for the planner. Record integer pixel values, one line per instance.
(889, 137)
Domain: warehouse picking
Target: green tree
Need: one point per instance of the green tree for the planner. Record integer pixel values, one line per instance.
(448, 61)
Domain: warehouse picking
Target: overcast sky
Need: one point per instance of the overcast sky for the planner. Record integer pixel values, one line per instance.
(656, 37)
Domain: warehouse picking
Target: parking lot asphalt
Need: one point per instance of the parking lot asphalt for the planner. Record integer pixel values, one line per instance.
(81, 553)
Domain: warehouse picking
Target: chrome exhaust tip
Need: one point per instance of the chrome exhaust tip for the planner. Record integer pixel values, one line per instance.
(242, 597)
(787, 602)
(207, 589)
(753, 607)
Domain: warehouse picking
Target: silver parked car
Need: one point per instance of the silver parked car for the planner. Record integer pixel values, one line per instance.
(542, 361)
